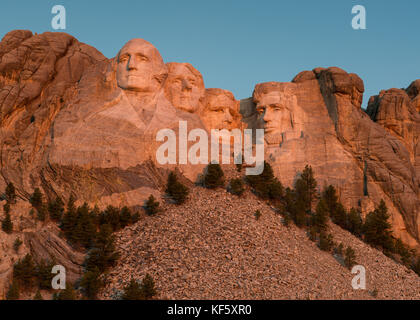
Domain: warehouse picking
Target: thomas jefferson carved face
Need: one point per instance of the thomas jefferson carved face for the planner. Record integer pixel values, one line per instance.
(275, 105)
(220, 110)
(140, 67)
(184, 87)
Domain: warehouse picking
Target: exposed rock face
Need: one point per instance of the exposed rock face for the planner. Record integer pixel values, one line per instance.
(413, 92)
(46, 245)
(397, 112)
(38, 75)
(388, 170)
(40, 240)
(327, 129)
(74, 121)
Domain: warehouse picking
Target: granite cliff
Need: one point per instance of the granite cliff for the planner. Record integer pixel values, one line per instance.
(74, 122)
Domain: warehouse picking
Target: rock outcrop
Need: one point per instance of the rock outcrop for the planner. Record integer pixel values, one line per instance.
(42, 241)
(73, 121)
(327, 129)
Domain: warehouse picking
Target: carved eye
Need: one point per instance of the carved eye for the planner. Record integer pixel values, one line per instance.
(123, 59)
(260, 110)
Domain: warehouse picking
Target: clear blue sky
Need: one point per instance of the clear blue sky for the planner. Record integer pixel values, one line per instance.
(238, 43)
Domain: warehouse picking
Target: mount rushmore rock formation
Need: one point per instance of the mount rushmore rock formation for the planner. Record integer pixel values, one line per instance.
(74, 121)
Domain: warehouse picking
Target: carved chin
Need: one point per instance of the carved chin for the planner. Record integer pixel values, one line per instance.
(186, 107)
(273, 138)
(134, 83)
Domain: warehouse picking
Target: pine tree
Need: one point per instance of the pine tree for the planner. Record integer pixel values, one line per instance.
(71, 204)
(133, 291)
(125, 217)
(68, 293)
(350, 258)
(214, 176)
(326, 242)
(6, 207)
(10, 193)
(36, 199)
(84, 229)
(257, 214)
(300, 217)
(377, 229)
(236, 187)
(261, 183)
(24, 271)
(331, 200)
(339, 216)
(354, 222)
(294, 207)
(69, 220)
(320, 217)
(148, 287)
(276, 191)
(44, 275)
(152, 206)
(91, 283)
(56, 209)
(41, 213)
(176, 190)
(103, 255)
(6, 224)
(111, 216)
(306, 188)
(135, 217)
(13, 292)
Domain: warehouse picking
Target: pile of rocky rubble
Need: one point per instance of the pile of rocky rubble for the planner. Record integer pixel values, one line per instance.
(213, 247)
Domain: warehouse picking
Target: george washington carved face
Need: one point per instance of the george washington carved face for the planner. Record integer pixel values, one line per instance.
(140, 67)
(275, 104)
(184, 87)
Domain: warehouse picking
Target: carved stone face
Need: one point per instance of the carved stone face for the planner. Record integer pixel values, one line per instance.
(275, 105)
(184, 86)
(140, 67)
(220, 110)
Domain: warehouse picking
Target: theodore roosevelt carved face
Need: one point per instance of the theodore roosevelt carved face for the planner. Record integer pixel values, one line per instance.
(221, 110)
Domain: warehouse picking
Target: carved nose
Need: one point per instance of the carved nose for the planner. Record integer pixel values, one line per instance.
(131, 64)
(267, 115)
(186, 85)
(228, 117)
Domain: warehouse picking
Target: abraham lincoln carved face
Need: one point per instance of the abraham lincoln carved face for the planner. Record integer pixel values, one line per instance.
(140, 67)
(275, 103)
